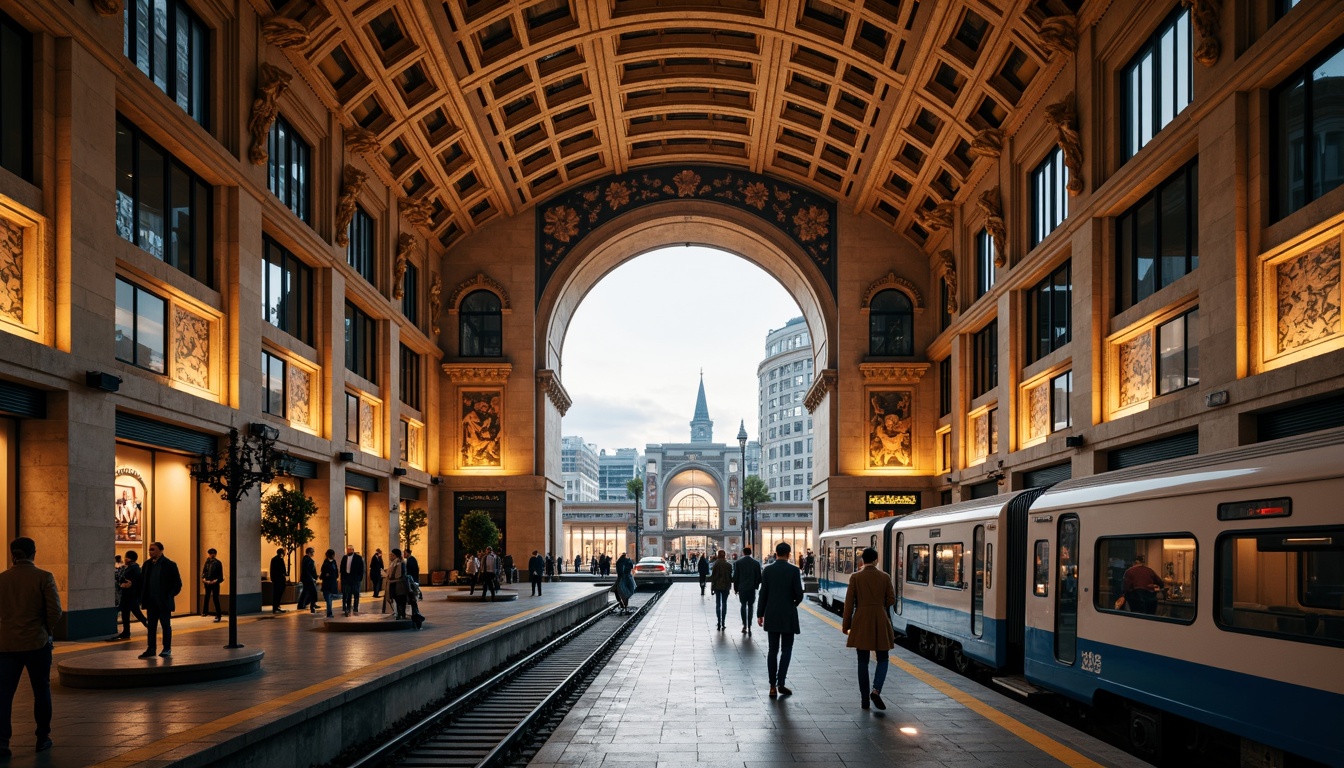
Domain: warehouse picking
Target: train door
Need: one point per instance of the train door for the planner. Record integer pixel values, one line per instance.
(978, 581)
(1066, 595)
(897, 573)
(1017, 563)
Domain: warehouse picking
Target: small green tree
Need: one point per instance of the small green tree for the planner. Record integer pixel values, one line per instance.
(754, 493)
(412, 520)
(478, 531)
(635, 487)
(285, 513)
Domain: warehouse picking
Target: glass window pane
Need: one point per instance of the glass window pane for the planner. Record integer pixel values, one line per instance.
(180, 252)
(203, 265)
(1166, 77)
(125, 182)
(1173, 203)
(1145, 246)
(1171, 356)
(1183, 69)
(1327, 128)
(125, 322)
(1152, 577)
(1040, 583)
(1060, 389)
(151, 188)
(917, 564)
(1192, 333)
(151, 337)
(947, 565)
(1146, 103)
(159, 60)
(1061, 310)
(143, 15)
(182, 60)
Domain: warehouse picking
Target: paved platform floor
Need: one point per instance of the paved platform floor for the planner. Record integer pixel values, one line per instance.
(152, 726)
(681, 694)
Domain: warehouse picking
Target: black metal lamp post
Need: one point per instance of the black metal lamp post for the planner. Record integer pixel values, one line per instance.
(245, 463)
(742, 491)
(639, 531)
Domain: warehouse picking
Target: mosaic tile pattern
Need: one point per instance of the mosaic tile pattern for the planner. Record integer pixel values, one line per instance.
(11, 271)
(191, 348)
(1136, 370)
(1308, 297)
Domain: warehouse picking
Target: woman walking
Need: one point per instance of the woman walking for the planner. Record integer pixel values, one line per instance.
(868, 625)
(396, 583)
(625, 582)
(331, 579)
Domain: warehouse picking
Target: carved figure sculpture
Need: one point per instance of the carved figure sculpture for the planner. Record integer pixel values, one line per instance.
(946, 270)
(284, 33)
(435, 301)
(362, 142)
(990, 203)
(1064, 117)
(345, 204)
(416, 209)
(940, 217)
(988, 143)
(107, 7)
(1204, 13)
(1059, 34)
(271, 82)
(405, 243)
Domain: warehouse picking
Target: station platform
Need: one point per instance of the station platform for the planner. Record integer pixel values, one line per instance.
(679, 694)
(316, 693)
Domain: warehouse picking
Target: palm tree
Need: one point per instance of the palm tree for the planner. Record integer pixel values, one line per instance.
(635, 488)
(754, 493)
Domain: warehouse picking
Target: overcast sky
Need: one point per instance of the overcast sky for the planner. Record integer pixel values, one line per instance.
(633, 354)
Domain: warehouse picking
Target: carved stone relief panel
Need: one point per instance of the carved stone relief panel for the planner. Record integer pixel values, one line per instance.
(890, 415)
(1038, 410)
(368, 439)
(482, 426)
(11, 271)
(300, 392)
(191, 348)
(1307, 301)
(1136, 370)
(980, 436)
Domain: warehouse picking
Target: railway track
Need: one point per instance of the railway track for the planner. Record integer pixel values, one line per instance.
(492, 722)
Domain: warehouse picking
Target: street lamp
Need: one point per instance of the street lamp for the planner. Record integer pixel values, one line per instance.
(638, 528)
(245, 463)
(742, 491)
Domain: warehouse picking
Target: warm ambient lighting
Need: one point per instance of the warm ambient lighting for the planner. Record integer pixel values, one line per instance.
(908, 731)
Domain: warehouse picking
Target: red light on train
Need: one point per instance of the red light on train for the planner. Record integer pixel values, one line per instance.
(1247, 510)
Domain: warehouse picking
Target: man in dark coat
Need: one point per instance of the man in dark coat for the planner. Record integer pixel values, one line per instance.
(308, 580)
(781, 592)
(550, 567)
(352, 579)
(376, 571)
(162, 583)
(212, 573)
(412, 566)
(132, 582)
(536, 566)
(279, 580)
(702, 567)
(746, 580)
(508, 569)
(31, 607)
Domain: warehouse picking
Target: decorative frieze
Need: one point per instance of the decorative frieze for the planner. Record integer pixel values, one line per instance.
(417, 210)
(1059, 34)
(890, 414)
(940, 217)
(284, 33)
(481, 432)
(480, 280)
(1038, 410)
(890, 280)
(549, 382)
(893, 373)
(368, 435)
(362, 142)
(988, 143)
(980, 437)
(473, 373)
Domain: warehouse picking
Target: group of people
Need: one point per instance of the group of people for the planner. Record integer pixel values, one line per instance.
(153, 588)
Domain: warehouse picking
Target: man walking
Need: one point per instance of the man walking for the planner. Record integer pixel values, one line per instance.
(550, 567)
(279, 580)
(212, 573)
(163, 582)
(508, 569)
(536, 566)
(132, 582)
(490, 566)
(412, 566)
(473, 568)
(376, 571)
(781, 592)
(31, 607)
(702, 568)
(721, 580)
(746, 580)
(352, 579)
(308, 581)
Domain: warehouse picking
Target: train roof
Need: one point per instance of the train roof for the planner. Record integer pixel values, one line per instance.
(1301, 458)
(973, 509)
(861, 527)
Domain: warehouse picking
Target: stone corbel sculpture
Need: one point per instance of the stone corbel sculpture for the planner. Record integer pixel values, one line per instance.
(946, 270)
(987, 143)
(405, 243)
(107, 7)
(991, 204)
(345, 204)
(362, 142)
(1064, 117)
(284, 33)
(1204, 13)
(941, 217)
(435, 302)
(1059, 34)
(271, 82)
(416, 209)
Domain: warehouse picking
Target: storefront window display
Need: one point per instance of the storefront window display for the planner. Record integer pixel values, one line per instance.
(155, 499)
(593, 540)
(799, 537)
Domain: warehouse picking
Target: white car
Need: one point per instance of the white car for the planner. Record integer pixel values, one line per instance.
(652, 570)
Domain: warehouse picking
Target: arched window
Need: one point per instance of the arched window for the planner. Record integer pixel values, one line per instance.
(891, 325)
(479, 325)
(693, 508)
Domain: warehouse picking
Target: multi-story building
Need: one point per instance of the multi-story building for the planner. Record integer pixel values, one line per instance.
(616, 469)
(785, 376)
(579, 468)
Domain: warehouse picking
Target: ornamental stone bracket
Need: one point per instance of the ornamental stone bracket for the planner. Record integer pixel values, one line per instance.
(107, 7)
(481, 280)
(405, 244)
(345, 204)
(824, 382)
(1059, 35)
(1063, 115)
(990, 204)
(284, 33)
(549, 381)
(475, 373)
(893, 373)
(435, 302)
(946, 270)
(988, 143)
(271, 82)
(1204, 14)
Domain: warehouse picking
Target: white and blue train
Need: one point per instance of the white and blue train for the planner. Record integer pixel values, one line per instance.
(1196, 604)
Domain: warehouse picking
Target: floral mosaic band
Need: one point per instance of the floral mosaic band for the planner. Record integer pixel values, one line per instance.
(805, 217)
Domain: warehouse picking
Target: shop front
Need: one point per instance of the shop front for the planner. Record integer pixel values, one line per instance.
(494, 504)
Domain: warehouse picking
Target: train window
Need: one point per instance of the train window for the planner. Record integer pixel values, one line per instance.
(1041, 577)
(917, 563)
(900, 568)
(1148, 577)
(1066, 597)
(1286, 583)
(978, 582)
(845, 560)
(989, 566)
(947, 566)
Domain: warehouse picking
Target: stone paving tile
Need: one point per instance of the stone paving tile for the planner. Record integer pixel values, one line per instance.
(680, 694)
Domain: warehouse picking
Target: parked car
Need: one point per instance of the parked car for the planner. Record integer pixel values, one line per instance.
(652, 570)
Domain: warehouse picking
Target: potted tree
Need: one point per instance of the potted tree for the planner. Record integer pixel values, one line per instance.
(285, 513)
(477, 531)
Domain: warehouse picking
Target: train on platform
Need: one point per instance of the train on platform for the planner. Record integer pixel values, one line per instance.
(1192, 607)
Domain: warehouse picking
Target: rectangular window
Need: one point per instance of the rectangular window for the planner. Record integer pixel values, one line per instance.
(351, 417)
(410, 296)
(141, 319)
(947, 565)
(1286, 583)
(945, 451)
(287, 291)
(917, 564)
(992, 417)
(361, 343)
(287, 168)
(984, 263)
(1050, 312)
(1307, 156)
(1049, 196)
(404, 452)
(1147, 576)
(410, 377)
(1178, 353)
(1040, 582)
(1158, 83)
(272, 384)
(1157, 240)
(170, 44)
(16, 99)
(944, 386)
(361, 254)
(985, 349)
(161, 206)
(1061, 389)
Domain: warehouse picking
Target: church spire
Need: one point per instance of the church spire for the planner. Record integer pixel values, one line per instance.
(702, 427)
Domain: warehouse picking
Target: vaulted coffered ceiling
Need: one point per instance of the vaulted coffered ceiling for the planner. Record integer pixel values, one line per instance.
(480, 108)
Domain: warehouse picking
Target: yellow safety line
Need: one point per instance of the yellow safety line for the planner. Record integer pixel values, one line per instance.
(169, 743)
(1053, 748)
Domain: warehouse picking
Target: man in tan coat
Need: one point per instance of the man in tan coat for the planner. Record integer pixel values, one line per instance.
(866, 622)
(30, 608)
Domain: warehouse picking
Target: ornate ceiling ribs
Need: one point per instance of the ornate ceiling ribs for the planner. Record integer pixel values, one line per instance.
(473, 109)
